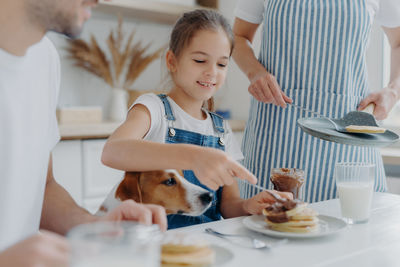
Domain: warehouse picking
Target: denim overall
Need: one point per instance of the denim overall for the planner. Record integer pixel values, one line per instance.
(177, 136)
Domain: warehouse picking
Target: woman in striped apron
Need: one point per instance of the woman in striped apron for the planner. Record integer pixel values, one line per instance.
(312, 53)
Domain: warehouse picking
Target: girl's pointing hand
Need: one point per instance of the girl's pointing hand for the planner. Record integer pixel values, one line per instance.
(215, 168)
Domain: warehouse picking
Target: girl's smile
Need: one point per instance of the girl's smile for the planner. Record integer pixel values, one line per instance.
(207, 84)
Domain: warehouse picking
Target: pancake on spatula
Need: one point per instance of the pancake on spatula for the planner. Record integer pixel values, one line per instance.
(364, 129)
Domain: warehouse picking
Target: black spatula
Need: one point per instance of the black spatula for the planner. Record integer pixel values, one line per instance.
(354, 121)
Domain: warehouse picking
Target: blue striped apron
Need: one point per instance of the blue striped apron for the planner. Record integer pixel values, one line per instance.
(316, 50)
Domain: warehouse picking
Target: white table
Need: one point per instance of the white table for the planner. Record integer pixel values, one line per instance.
(376, 243)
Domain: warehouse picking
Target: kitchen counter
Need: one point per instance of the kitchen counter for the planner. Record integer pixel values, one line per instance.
(391, 154)
(375, 243)
(87, 130)
(105, 129)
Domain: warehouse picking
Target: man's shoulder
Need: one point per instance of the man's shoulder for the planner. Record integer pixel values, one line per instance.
(44, 49)
(47, 45)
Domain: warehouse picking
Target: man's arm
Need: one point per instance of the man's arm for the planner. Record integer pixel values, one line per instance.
(60, 212)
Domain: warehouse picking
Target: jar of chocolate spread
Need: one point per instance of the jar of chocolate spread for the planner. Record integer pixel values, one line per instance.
(288, 180)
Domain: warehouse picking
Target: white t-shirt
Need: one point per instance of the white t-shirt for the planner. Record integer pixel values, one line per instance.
(28, 132)
(386, 12)
(159, 124)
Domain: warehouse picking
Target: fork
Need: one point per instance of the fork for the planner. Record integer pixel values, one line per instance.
(337, 127)
(272, 193)
(255, 243)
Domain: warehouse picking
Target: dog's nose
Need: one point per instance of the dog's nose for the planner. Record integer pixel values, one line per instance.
(206, 198)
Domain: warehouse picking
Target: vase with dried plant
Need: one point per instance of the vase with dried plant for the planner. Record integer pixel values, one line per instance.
(127, 62)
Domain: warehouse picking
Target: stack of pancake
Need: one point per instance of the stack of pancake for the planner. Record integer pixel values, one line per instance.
(180, 249)
(291, 216)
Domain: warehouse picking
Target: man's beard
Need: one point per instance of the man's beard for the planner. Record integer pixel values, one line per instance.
(57, 19)
(66, 27)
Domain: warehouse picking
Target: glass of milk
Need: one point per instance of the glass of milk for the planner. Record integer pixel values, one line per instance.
(115, 244)
(355, 186)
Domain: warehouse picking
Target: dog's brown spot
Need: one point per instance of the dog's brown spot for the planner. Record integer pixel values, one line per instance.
(104, 209)
(129, 187)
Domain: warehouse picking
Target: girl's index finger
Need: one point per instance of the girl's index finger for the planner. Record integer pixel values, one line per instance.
(286, 98)
(242, 173)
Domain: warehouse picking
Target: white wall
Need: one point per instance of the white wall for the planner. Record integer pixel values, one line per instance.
(81, 88)
(375, 58)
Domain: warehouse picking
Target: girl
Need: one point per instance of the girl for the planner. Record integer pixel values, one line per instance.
(176, 131)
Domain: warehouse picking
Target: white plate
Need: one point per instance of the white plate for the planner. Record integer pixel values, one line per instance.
(327, 225)
(222, 255)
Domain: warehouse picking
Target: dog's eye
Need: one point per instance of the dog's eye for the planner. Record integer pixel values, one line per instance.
(170, 182)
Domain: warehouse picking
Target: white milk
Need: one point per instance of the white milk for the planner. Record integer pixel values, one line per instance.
(355, 200)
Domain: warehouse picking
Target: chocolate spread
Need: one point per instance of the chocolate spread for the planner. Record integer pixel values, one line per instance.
(277, 211)
(288, 180)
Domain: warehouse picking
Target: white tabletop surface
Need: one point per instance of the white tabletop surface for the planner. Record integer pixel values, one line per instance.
(376, 243)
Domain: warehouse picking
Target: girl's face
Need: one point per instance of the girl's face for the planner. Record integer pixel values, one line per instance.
(201, 67)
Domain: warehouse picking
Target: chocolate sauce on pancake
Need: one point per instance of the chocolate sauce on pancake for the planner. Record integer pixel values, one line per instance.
(277, 211)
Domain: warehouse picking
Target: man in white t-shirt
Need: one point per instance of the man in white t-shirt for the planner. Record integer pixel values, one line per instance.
(29, 83)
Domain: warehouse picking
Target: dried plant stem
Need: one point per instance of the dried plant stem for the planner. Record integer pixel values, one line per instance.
(127, 61)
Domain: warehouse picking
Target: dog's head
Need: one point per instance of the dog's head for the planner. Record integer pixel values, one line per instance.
(167, 188)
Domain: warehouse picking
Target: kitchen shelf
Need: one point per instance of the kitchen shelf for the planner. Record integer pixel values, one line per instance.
(155, 11)
(87, 130)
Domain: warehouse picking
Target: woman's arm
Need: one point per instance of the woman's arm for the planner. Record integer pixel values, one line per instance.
(386, 98)
(233, 206)
(125, 150)
(393, 35)
(263, 85)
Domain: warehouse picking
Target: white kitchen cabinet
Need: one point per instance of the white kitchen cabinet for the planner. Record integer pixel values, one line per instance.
(67, 167)
(78, 168)
(98, 179)
(239, 137)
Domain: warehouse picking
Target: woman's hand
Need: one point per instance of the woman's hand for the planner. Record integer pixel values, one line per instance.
(215, 168)
(265, 88)
(256, 204)
(263, 85)
(384, 101)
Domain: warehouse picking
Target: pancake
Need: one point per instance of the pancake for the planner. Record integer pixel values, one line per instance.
(364, 129)
(295, 229)
(203, 256)
(180, 249)
(291, 216)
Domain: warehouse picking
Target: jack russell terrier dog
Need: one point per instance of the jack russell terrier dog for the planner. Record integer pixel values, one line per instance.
(167, 188)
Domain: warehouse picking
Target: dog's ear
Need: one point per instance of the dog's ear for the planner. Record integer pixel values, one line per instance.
(129, 188)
